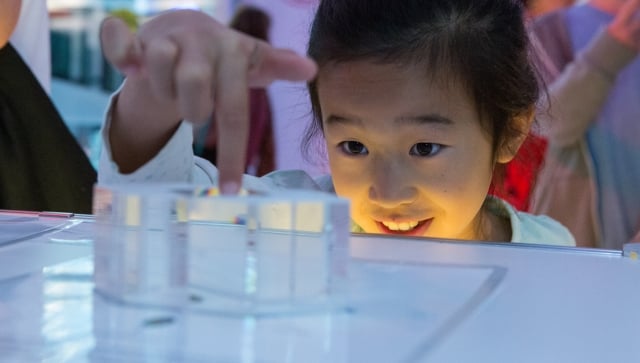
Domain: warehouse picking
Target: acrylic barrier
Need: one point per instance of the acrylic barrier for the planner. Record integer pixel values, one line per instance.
(403, 299)
(185, 246)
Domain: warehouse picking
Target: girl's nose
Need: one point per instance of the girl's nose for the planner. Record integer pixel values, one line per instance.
(391, 184)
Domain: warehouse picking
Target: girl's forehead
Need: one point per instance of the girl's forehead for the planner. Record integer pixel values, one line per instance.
(375, 74)
(364, 71)
(383, 92)
(366, 80)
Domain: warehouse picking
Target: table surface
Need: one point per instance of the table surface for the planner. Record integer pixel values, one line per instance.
(409, 300)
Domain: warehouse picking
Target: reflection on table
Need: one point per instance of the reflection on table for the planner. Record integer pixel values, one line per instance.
(407, 300)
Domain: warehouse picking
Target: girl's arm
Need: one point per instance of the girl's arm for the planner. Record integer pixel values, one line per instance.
(183, 65)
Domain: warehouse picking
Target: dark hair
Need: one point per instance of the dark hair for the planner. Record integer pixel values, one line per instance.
(252, 21)
(480, 43)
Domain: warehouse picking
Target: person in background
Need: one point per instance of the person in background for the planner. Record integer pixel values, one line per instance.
(42, 167)
(8, 19)
(536, 8)
(31, 39)
(420, 104)
(590, 178)
(521, 173)
(255, 22)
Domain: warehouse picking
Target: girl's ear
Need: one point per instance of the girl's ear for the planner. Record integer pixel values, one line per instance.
(521, 126)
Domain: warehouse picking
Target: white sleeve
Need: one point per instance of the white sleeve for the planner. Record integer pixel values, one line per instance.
(174, 163)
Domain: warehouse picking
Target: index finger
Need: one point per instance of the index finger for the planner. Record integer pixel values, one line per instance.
(257, 67)
(232, 118)
(268, 64)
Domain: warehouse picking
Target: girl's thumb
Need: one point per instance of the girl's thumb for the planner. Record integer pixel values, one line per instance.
(120, 46)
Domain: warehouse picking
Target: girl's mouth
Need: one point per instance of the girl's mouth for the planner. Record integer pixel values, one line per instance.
(406, 228)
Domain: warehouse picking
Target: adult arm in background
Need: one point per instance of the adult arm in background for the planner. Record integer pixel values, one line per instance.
(579, 92)
(178, 67)
(9, 14)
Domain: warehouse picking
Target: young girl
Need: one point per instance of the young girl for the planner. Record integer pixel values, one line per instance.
(420, 104)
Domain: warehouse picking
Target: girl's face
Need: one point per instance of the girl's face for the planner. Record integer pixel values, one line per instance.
(410, 155)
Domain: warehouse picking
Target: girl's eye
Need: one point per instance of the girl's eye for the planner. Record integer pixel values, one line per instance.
(353, 148)
(425, 149)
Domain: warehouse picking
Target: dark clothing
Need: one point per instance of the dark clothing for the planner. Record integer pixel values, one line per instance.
(42, 167)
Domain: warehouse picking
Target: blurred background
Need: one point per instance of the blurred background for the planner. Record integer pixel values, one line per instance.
(83, 81)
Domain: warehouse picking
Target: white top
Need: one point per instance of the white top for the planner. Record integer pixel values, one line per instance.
(31, 39)
(176, 163)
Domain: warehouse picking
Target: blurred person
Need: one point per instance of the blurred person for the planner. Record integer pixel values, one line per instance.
(521, 173)
(536, 8)
(589, 181)
(42, 167)
(261, 148)
(31, 39)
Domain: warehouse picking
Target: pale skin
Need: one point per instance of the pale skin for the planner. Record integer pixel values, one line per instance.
(184, 65)
(9, 14)
(408, 153)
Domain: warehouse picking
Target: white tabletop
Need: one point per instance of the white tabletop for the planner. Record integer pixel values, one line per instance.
(408, 300)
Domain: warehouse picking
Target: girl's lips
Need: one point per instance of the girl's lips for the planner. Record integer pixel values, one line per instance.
(418, 230)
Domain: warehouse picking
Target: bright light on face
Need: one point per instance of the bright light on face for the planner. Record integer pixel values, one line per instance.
(409, 154)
